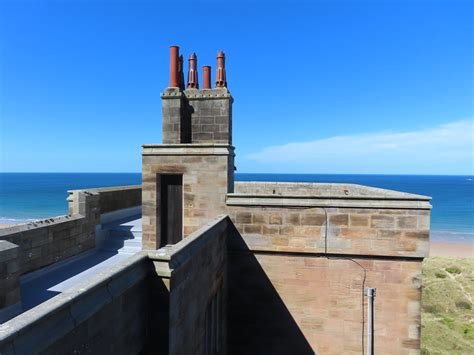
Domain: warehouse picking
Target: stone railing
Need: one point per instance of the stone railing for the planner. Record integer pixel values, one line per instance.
(195, 273)
(106, 314)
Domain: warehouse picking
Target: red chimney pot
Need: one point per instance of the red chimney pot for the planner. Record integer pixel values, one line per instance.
(174, 78)
(206, 77)
(192, 74)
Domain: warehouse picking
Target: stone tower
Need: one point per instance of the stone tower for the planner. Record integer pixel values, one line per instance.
(186, 179)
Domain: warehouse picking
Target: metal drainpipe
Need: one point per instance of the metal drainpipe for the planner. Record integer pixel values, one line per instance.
(370, 293)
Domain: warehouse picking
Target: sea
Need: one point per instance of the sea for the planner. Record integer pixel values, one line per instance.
(30, 196)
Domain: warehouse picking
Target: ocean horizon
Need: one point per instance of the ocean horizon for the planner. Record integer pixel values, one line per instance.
(27, 197)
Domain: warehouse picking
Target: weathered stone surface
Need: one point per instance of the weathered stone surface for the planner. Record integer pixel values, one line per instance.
(208, 174)
(88, 318)
(196, 269)
(303, 305)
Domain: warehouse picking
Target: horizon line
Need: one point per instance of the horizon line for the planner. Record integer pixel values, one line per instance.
(249, 173)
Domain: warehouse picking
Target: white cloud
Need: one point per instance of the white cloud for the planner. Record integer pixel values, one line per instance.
(445, 149)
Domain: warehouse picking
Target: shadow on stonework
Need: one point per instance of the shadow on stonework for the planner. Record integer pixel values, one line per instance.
(186, 121)
(258, 320)
(44, 287)
(157, 337)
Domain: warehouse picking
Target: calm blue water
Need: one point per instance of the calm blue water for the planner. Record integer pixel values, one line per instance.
(40, 195)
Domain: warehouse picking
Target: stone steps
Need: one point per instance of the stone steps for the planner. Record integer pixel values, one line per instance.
(124, 236)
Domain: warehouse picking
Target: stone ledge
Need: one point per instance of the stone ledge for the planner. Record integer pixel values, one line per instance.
(196, 94)
(112, 188)
(313, 201)
(327, 190)
(188, 149)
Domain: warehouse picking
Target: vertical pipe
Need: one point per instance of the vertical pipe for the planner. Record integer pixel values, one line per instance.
(174, 55)
(206, 77)
(370, 293)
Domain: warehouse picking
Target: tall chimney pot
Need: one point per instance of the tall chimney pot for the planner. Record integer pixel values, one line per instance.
(206, 77)
(174, 78)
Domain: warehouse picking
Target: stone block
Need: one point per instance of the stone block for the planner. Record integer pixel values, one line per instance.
(339, 220)
(313, 219)
(382, 221)
(358, 220)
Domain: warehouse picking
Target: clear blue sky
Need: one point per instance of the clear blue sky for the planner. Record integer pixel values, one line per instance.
(319, 86)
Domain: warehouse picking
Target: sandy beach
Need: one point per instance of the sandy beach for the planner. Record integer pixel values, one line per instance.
(6, 225)
(442, 248)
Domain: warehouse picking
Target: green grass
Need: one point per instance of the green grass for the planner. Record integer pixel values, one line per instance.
(447, 318)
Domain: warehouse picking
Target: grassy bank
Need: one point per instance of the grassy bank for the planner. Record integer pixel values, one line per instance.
(447, 319)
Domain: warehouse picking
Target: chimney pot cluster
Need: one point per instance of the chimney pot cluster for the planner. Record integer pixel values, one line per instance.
(177, 71)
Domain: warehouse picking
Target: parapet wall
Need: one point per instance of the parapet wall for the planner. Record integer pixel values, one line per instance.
(107, 314)
(330, 218)
(170, 301)
(195, 273)
(54, 239)
(9, 280)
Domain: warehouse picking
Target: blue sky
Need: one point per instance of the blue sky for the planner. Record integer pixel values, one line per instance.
(319, 86)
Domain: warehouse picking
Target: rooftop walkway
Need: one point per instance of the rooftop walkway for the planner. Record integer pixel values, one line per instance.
(122, 239)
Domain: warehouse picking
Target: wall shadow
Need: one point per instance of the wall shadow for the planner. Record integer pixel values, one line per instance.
(186, 124)
(258, 320)
(157, 337)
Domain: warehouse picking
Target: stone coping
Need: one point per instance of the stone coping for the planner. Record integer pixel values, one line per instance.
(172, 256)
(234, 199)
(197, 94)
(107, 189)
(323, 190)
(284, 194)
(73, 306)
(188, 149)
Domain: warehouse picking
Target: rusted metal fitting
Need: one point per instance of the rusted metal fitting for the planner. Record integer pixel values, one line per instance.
(174, 54)
(206, 77)
(193, 74)
(220, 71)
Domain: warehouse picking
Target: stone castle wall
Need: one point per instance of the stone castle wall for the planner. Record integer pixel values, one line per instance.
(298, 260)
(307, 304)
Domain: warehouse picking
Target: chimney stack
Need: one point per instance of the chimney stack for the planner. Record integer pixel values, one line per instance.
(192, 74)
(174, 77)
(206, 77)
(221, 81)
